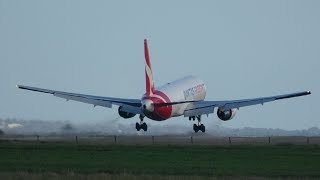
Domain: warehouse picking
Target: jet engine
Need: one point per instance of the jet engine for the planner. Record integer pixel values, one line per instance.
(125, 114)
(226, 115)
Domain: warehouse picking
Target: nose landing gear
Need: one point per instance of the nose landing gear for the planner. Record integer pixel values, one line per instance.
(199, 126)
(141, 125)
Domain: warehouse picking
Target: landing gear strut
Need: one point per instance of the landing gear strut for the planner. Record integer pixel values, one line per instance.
(199, 126)
(141, 125)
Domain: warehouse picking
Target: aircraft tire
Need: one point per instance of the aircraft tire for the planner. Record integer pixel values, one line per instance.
(202, 128)
(138, 127)
(144, 127)
(195, 128)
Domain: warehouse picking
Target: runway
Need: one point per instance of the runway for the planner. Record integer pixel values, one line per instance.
(165, 140)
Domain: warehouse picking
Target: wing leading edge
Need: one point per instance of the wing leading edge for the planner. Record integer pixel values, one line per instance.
(132, 104)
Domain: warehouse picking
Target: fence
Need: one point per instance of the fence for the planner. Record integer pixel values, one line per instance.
(169, 140)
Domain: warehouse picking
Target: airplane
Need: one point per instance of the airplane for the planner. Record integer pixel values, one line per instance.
(182, 97)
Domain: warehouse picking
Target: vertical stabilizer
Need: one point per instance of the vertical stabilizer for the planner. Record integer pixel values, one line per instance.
(148, 71)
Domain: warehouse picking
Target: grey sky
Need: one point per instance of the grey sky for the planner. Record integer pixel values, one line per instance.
(241, 49)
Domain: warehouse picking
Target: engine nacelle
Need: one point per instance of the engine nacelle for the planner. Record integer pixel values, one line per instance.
(124, 114)
(226, 115)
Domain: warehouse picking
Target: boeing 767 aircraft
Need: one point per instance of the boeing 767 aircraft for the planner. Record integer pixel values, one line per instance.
(184, 96)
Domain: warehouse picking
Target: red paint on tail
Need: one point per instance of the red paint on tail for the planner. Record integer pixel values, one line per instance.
(148, 71)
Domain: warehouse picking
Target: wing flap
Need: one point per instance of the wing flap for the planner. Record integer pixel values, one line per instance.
(243, 103)
(199, 111)
(95, 100)
(107, 104)
(206, 107)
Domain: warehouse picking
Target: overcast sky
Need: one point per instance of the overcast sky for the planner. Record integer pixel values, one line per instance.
(241, 49)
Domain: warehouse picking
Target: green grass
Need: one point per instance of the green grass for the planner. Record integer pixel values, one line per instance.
(251, 161)
(104, 176)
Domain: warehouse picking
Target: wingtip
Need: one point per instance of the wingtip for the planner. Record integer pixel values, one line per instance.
(20, 86)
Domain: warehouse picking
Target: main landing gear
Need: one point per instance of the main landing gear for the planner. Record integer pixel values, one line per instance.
(199, 126)
(141, 125)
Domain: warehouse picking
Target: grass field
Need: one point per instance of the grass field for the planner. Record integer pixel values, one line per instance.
(32, 158)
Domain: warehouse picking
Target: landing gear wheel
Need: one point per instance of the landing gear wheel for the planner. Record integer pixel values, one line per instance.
(202, 128)
(144, 126)
(141, 125)
(192, 118)
(195, 128)
(138, 127)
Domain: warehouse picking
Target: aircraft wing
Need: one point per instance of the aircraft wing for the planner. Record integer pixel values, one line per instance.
(207, 107)
(130, 105)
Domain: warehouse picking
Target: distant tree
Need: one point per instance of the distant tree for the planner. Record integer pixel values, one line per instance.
(1, 132)
(67, 127)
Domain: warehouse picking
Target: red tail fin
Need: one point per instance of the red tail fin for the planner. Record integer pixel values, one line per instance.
(148, 71)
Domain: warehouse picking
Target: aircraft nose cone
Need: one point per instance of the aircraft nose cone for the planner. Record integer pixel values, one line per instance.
(147, 105)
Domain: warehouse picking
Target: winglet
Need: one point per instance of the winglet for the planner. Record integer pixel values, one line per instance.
(148, 71)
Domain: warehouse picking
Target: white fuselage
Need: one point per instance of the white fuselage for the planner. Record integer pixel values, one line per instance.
(189, 88)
